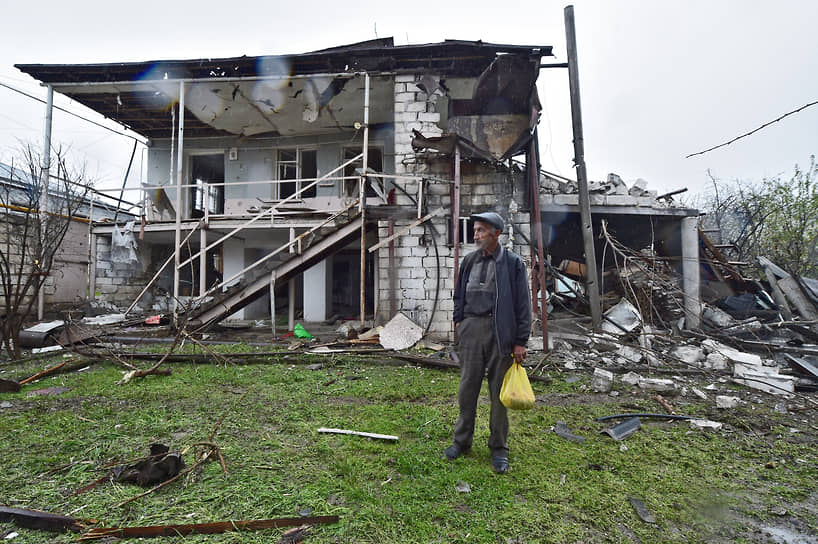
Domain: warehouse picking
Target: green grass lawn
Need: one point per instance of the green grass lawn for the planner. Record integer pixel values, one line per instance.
(700, 486)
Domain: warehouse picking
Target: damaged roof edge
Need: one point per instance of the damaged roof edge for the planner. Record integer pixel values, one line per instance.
(364, 56)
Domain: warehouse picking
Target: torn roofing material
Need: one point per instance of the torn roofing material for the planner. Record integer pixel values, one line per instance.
(140, 94)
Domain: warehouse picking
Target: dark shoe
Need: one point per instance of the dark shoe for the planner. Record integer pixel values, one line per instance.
(500, 464)
(453, 452)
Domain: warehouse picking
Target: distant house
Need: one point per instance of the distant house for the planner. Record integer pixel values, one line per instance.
(343, 178)
(68, 283)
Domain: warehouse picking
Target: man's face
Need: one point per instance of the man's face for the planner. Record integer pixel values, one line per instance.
(485, 236)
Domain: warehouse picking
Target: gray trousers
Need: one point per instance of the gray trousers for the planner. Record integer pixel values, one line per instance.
(479, 355)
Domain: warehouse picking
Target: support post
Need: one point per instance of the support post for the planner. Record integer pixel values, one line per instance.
(690, 272)
(534, 178)
(273, 302)
(45, 180)
(592, 280)
(178, 233)
(393, 295)
(92, 273)
(291, 289)
(456, 212)
(362, 197)
(203, 260)
(291, 305)
(91, 255)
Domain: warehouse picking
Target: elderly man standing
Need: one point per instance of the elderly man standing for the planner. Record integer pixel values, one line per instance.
(492, 318)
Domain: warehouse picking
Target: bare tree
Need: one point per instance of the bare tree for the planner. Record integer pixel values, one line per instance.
(777, 218)
(37, 213)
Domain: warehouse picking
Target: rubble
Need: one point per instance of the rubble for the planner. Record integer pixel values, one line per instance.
(662, 385)
(400, 333)
(726, 402)
(601, 380)
(706, 424)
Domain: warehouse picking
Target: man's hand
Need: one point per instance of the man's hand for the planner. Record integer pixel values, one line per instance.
(519, 353)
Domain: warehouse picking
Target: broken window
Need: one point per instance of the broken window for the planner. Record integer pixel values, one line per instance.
(465, 234)
(295, 165)
(207, 170)
(374, 164)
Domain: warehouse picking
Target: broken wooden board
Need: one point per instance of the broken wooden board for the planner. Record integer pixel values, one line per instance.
(37, 519)
(802, 304)
(358, 433)
(203, 528)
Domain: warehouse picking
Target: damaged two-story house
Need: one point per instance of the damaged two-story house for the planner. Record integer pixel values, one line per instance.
(339, 181)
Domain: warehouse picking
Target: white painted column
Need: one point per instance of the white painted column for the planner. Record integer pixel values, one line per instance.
(690, 272)
(316, 279)
(233, 263)
(202, 260)
(291, 289)
(45, 181)
(178, 235)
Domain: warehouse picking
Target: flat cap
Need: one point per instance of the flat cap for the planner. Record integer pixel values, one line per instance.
(491, 218)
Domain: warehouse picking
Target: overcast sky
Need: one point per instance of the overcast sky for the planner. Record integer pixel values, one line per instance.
(659, 80)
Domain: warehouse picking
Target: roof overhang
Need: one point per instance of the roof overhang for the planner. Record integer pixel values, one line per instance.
(312, 92)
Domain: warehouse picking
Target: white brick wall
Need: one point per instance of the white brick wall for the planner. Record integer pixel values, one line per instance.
(416, 266)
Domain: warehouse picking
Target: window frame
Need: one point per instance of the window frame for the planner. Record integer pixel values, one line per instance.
(299, 169)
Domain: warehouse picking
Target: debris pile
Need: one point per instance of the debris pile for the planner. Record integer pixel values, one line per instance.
(612, 186)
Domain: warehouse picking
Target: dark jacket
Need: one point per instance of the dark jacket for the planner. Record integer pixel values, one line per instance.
(512, 304)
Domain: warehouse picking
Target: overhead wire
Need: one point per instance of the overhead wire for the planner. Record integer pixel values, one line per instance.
(141, 141)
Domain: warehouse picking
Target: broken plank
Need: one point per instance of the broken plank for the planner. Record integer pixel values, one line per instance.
(406, 229)
(792, 291)
(37, 519)
(43, 373)
(777, 294)
(358, 433)
(204, 528)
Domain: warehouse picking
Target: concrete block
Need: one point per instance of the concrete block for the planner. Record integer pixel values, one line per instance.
(732, 355)
(631, 378)
(405, 78)
(418, 273)
(405, 97)
(445, 303)
(406, 117)
(725, 402)
(419, 107)
(646, 201)
(705, 425)
(688, 354)
(404, 147)
(428, 117)
(414, 294)
(716, 361)
(566, 200)
(407, 240)
(601, 380)
(661, 385)
(420, 252)
(621, 200)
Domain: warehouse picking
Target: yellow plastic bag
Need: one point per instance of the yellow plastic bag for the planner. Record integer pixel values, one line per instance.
(516, 392)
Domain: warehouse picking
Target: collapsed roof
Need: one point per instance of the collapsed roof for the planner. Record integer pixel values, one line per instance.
(275, 95)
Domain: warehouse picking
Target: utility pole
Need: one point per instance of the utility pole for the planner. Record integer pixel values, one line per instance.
(591, 279)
